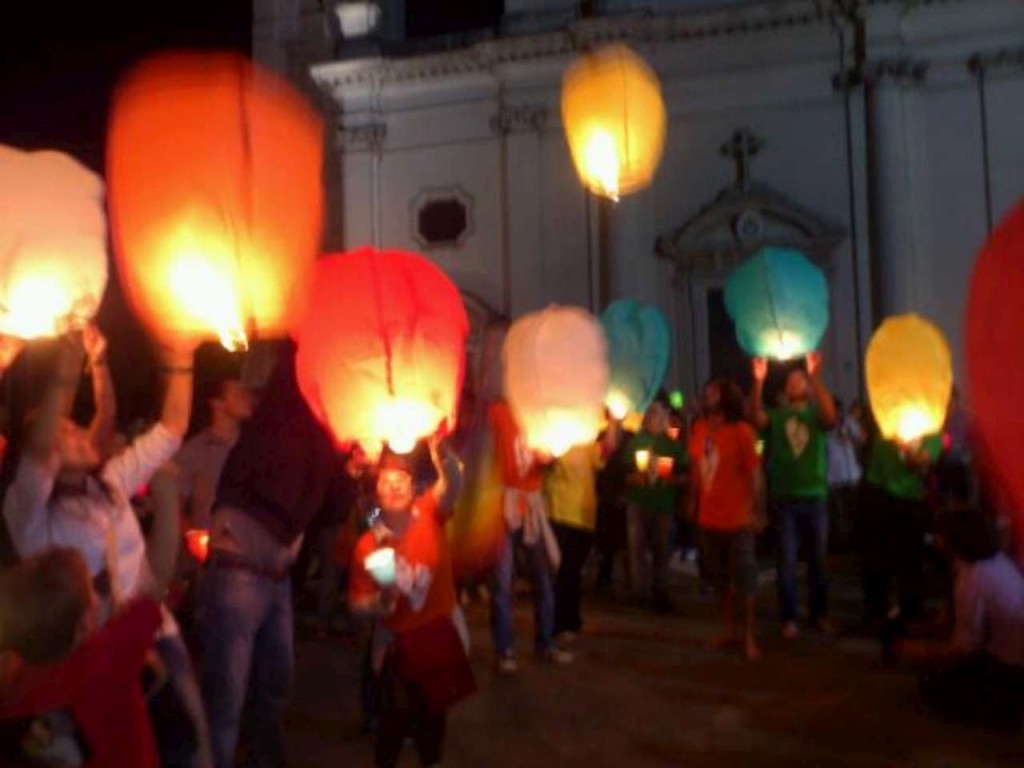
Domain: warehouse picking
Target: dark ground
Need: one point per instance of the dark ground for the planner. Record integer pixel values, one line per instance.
(645, 691)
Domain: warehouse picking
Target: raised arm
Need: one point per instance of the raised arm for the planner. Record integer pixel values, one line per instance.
(165, 535)
(757, 412)
(101, 430)
(59, 397)
(176, 367)
(449, 475)
(826, 405)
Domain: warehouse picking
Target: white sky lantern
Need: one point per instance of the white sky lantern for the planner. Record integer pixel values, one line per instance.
(53, 233)
(556, 377)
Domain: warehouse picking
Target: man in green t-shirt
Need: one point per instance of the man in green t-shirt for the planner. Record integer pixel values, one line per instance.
(796, 435)
(658, 466)
(894, 520)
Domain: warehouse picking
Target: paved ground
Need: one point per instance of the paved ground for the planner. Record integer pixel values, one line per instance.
(645, 692)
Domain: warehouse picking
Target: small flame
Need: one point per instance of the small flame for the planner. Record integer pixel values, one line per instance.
(618, 404)
(198, 542)
(403, 422)
(783, 345)
(203, 284)
(912, 423)
(601, 160)
(36, 306)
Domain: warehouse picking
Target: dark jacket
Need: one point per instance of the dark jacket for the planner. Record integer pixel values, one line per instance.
(284, 462)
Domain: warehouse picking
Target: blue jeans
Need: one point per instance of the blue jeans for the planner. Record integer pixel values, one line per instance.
(504, 585)
(802, 520)
(248, 646)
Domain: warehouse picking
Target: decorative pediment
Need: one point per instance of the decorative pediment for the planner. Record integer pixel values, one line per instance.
(744, 217)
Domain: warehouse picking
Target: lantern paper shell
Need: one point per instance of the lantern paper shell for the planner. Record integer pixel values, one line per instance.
(638, 350)
(381, 351)
(556, 377)
(778, 300)
(216, 201)
(995, 347)
(909, 376)
(614, 118)
(53, 243)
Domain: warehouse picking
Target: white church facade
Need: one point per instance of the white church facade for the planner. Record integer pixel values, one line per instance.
(884, 139)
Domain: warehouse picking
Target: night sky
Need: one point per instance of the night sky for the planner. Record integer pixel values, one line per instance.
(59, 63)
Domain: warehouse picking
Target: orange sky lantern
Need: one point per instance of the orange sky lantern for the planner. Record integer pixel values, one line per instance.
(381, 353)
(53, 243)
(216, 202)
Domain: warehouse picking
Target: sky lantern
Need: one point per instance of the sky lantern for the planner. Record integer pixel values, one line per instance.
(556, 377)
(909, 373)
(216, 200)
(53, 243)
(614, 119)
(638, 351)
(995, 348)
(381, 351)
(778, 300)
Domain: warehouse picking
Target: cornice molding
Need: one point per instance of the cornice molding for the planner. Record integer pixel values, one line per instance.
(369, 137)
(640, 29)
(1003, 60)
(519, 118)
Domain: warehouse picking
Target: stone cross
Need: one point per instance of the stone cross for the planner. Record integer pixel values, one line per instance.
(741, 147)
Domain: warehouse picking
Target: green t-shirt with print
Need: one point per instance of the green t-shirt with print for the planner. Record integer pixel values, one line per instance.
(658, 495)
(797, 459)
(889, 470)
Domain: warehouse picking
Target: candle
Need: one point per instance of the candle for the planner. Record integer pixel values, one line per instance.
(381, 566)
(643, 460)
(665, 466)
(198, 542)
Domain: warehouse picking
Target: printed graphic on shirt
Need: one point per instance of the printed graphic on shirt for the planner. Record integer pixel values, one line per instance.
(414, 581)
(709, 464)
(524, 457)
(798, 434)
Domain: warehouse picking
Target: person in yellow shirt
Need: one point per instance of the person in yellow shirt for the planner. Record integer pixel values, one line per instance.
(569, 485)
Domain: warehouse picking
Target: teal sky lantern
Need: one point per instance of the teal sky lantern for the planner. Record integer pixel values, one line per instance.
(778, 300)
(638, 350)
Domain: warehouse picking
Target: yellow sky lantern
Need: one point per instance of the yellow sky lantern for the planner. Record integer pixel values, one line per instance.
(614, 118)
(910, 377)
(53, 243)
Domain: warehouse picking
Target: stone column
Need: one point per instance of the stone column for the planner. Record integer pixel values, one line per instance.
(519, 129)
(890, 194)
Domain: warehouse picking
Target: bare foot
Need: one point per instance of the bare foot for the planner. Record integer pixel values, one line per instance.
(752, 650)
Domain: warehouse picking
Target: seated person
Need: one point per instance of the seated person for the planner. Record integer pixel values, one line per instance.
(977, 676)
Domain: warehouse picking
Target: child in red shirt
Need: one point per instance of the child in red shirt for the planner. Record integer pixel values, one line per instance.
(402, 575)
(54, 660)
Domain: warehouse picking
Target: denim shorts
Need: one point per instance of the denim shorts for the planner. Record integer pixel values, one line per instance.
(729, 559)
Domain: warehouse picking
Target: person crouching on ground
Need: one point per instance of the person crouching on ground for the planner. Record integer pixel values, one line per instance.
(725, 495)
(402, 576)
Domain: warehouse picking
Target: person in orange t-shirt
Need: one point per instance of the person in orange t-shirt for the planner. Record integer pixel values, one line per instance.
(401, 575)
(726, 490)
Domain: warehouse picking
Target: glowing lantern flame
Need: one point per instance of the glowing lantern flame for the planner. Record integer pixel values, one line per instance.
(618, 405)
(216, 197)
(615, 119)
(783, 345)
(910, 377)
(53, 260)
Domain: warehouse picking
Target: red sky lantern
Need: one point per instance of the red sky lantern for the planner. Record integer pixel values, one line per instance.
(381, 352)
(995, 348)
(214, 169)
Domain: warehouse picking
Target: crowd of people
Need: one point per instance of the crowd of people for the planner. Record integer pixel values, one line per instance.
(147, 615)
